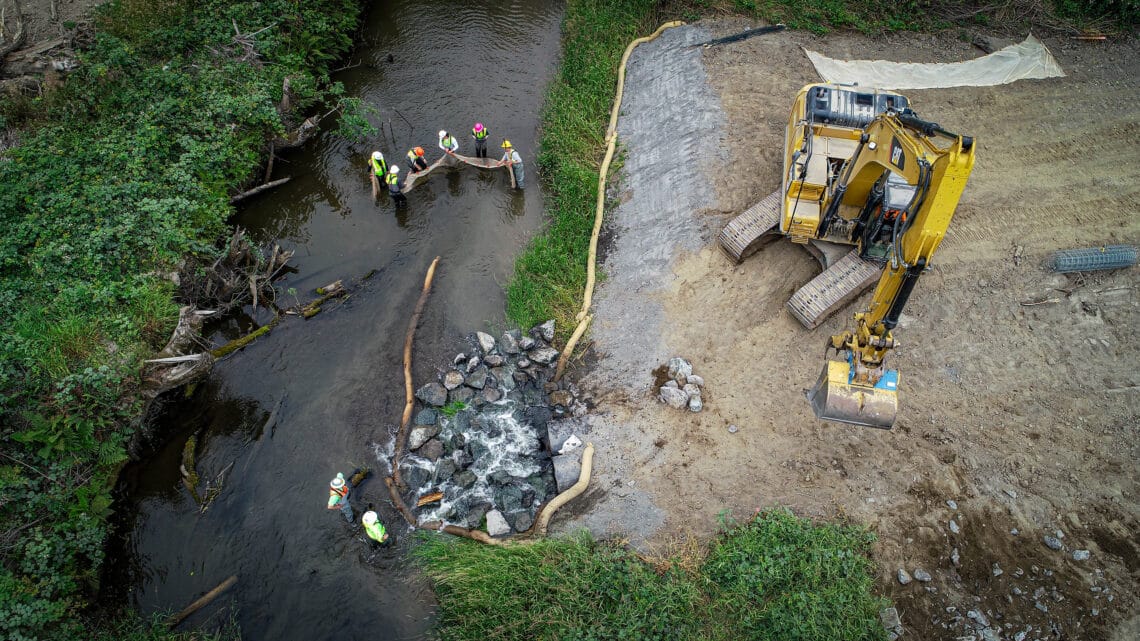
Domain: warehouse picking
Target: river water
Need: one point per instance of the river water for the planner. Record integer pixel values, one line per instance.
(303, 573)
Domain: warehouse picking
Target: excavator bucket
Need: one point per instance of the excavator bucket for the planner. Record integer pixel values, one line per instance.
(835, 398)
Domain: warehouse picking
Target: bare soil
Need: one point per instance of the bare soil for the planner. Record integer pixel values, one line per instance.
(1020, 389)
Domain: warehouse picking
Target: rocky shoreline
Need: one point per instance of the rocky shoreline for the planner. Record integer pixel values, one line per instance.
(494, 433)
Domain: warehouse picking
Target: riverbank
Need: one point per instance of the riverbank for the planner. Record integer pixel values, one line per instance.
(117, 175)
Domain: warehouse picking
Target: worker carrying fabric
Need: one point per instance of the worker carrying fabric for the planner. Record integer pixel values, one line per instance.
(480, 133)
(396, 185)
(416, 162)
(448, 143)
(512, 159)
(338, 497)
(379, 165)
(374, 528)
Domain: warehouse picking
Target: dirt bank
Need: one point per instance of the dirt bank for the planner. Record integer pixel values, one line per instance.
(1024, 416)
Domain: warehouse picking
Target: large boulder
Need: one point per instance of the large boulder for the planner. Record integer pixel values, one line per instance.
(452, 379)
(426, 416)
(523, 520)
(421, 434)
(473, 363)
(476, 513)
(680, 369)
(486, 341)
(526, 343)
(509, 498)
(544, 331)
(496, 524)
(491, 395)
(673, 397)
(567, 468)
(432, 450)
(558, 431)
(510, 341)
(414, 475)
(461, 395)
(544, 355)
(465, 479)
(445, 470)
(432, 394)
(477, 379)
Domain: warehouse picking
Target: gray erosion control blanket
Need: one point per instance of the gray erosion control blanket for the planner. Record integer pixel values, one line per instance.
(1030, 59)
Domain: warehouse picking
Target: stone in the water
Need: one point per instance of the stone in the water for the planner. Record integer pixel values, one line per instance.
(922, 575)
(459, 358)
(445, 470)
(544, 355)
(955, 558)
(461, 395)
(1081, 555)
(478, 449)
(510, 342)
(567, 468)
(673, 397)
(491, 395)
(432, 450)
(537, 416)
(904, 576)
(496, 524)
(414, 475)
(501, 477)
(421, 434)
(696, 404)
(523, 521)
(452, 379)
(477, 379)
(691, 390)
(486, 341)
(526, 343)
(466, 479)
(432, 394)
(544, 331)
(952, 504)
(426, 416)
(473, 364)
(1053, 543)
(680, 369)
(509, 498)
(695, 380)
(954, 526)
(494, 360)
(476, 513)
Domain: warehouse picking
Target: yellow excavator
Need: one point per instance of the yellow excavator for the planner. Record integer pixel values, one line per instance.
(869, 188)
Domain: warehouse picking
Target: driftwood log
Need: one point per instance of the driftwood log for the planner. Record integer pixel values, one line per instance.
(201, 602)
(410, 399)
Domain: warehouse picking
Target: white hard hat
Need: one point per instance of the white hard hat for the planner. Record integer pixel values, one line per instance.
(395, 169)
(338, 482)
(442, 133)
(369, 518)
(377, 155)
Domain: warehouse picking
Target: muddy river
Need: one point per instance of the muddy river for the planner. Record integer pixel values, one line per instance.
(303, 573)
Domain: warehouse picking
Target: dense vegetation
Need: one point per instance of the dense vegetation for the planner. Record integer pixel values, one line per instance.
(774, 577)
(117, 176)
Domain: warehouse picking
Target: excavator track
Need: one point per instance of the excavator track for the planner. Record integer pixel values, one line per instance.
(752, 229)
(838, 285)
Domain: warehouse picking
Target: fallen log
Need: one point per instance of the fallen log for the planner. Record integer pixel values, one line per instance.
(260, 188)
(239, 343)
(410, 399)
(433, 497)
(201, 602)
(332, 290)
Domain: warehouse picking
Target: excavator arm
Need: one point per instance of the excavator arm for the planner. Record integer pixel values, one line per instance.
(931, 166)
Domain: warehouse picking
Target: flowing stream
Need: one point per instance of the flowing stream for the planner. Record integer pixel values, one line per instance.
(303, 573)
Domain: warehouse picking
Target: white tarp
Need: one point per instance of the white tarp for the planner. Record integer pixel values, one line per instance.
(1030, 59)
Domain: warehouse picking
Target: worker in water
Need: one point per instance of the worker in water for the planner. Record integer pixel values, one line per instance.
(416, 162)
(338, 497)
(448, 143)
(480, 133)
(396, 186)
(379, 165)
(512, 159)
(374, 528)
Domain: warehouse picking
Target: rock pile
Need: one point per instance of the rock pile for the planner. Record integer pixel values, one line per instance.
(683, 387)
(482, 435)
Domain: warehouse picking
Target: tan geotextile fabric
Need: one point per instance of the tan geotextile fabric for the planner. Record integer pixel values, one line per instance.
(1029, 59)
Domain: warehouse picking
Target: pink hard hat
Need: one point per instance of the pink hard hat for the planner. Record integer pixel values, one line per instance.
(478, 126)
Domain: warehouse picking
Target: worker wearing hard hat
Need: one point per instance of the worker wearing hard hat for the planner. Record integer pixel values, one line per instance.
(480, 133)
(379, 165)
(338, 497)
(396, 185)
(374, 528)
(448, 143)
(512, 159)
(416, 162)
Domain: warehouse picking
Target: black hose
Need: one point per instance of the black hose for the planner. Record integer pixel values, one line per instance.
(741, 36)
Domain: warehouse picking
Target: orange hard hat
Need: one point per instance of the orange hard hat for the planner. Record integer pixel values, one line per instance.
(419, 151)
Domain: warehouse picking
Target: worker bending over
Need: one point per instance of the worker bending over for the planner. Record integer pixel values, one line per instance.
(512, 159)
(448, 143)
(374, 528)
(396, 186)
(416, 162)
(338, 497)
(379, 165)
(480, 133)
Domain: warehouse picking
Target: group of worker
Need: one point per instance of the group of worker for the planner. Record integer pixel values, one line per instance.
(390, 175)
(339, 490)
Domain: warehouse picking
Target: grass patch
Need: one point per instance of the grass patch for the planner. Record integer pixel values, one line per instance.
(775, 576)
(117, 176)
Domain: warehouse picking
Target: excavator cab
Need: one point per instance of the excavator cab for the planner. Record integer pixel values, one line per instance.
(837, 397)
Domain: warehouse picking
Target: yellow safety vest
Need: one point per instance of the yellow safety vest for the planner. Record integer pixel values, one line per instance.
(379, 167)
(479, 135)
(393, 180)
